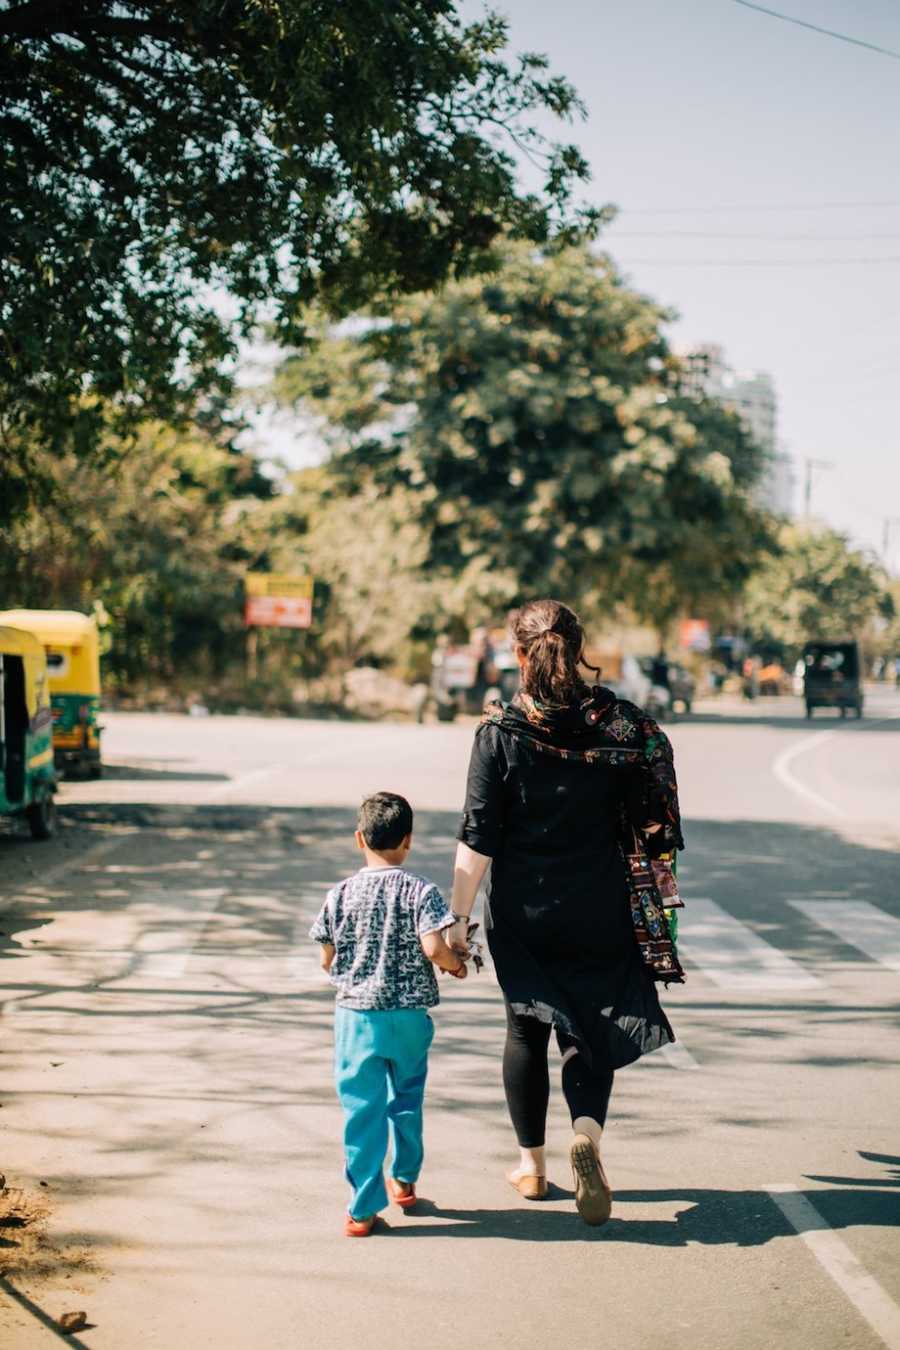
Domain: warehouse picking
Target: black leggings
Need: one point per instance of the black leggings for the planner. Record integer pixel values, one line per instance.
(526, 1079)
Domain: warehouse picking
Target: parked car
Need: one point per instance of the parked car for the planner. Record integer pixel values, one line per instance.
(676, 679)
(629, 681)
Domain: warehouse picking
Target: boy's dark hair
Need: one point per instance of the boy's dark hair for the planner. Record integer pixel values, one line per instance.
(385, 819)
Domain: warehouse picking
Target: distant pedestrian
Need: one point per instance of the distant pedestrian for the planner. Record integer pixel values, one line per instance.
(571, 792)
(380, 930)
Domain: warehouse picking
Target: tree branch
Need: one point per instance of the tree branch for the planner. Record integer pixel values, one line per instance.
(44, 18)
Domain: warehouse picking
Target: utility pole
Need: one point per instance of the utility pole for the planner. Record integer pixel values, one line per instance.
(887, 530)
(811, 466)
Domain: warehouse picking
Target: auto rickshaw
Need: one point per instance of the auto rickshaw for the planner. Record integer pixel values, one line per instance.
(72, 644)
(833, 677)
(27, 775)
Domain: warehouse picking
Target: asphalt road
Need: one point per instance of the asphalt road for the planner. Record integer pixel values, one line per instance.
(166, 1062)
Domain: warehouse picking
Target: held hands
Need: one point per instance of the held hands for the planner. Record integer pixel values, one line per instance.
(457, 938)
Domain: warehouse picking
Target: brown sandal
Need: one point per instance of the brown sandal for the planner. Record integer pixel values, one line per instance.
(593, 1197)
(530, 1187)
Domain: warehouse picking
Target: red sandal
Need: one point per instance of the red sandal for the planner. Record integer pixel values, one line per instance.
(359, 1227)
(403, 1193)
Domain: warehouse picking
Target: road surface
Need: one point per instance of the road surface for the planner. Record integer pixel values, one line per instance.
(166, 1062)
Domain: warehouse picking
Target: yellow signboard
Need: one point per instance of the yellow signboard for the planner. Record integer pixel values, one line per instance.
(284, 585)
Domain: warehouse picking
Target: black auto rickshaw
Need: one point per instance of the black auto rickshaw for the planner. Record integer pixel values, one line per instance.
(832, 677)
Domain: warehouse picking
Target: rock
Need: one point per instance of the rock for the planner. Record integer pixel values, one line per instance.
(72, 1321)
(2, 1182)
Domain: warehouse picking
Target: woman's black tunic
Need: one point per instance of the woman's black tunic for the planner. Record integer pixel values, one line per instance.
(558, 920)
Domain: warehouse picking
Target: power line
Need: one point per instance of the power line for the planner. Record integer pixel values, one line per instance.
(759, 238)
(755, 208)
(828, 32)
(755, 262)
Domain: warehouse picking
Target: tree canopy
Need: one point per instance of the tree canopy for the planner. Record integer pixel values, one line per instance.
(531, 419)
(815, 586)
(171, 170)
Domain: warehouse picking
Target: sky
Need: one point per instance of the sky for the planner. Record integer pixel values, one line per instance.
(755, 165)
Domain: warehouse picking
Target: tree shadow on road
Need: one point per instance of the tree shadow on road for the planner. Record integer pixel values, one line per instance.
(705, 1217)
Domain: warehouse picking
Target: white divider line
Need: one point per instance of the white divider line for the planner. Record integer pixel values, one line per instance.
(733, 956)
(781, 768)
(171, 963)
(837, 1260)
(860, 925)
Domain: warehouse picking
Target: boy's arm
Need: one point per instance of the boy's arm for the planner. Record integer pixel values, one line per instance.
(435, 948)
(322, 932)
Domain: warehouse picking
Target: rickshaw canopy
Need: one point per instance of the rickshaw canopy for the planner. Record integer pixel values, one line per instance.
(71, 641)
(20, 642)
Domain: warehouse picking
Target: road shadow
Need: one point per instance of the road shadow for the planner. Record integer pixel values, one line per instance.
(709, 1217)
(122, 772)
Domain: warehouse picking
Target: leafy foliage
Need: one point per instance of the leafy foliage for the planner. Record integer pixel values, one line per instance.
(530, 420)
(160, 547)
(157, 158)
(815, 586)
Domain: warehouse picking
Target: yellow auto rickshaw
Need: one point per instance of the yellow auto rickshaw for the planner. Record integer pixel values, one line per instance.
(27, 776)
(72, 644)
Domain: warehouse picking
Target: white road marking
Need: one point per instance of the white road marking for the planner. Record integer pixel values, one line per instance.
(860, 925)
(733, 956)
(781, 767)
(837, 1260)
(170, 963)
(675, 1055)
(236, 784)
(678, 1056)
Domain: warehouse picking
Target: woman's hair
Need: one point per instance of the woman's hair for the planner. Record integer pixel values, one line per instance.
(552, 640)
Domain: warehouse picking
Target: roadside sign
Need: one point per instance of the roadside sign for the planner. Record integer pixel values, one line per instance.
(693, 634)
(278, 600)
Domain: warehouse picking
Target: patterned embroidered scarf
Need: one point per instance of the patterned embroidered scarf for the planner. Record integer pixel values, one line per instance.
(622, 736)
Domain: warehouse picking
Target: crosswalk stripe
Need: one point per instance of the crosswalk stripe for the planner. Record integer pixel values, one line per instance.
(860, 925)
(837, 1260)
(730, 954)
(678, 1056)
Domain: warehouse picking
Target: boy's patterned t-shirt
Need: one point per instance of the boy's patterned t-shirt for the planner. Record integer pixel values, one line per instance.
(374, 921)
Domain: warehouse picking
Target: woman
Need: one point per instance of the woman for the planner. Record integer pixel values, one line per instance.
(570, 792)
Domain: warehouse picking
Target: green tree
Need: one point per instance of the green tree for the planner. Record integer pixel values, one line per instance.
(530, 418)
(170, 169)
(367, 552)
(162, 546)
(815, 586)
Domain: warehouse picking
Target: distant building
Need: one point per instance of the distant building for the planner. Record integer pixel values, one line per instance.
(706, 374)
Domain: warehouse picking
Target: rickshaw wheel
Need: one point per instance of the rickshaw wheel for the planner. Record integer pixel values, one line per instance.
(41, 818)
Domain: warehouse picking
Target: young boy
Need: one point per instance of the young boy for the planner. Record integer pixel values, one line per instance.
(380, 930)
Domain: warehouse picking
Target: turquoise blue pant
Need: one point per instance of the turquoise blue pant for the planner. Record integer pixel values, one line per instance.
(380, 1066)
